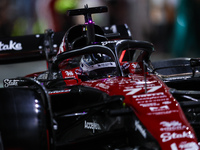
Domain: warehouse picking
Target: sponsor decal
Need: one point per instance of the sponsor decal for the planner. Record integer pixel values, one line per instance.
(59, 91)
(11, 46)
(163, 112)
(171, 126)
(107, 42)
(10, 82)
(102, 85)
(167, 136)
(188, 145)
(87, 84)
(174, 146)
(161, 108)
(185, 145)
(92, 125)
(148, 95)
(135, 65)
(139, 127)
(155, 99)
(149, 104)
(69, 73)
(166, 102)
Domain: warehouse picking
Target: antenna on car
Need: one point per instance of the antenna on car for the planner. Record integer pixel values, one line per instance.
(89, 27)
(87, 12)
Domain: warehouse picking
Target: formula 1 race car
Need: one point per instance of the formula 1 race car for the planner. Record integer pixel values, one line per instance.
(101, 91)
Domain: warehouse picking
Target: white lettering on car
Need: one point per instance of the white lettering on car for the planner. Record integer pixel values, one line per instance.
(174, 146)
(11, 46)
(167, 136)
(139, 127)
(188, 146)
(107, 42)
(132, 91)
(153, 89)
(161, 108)
(171, 126)
(69, 73)
(101, 85)
(185, 145)
(135, 65)
(148, 95)
(92, 125)
(10, 82)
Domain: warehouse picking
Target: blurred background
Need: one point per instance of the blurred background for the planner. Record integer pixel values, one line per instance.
(173, 26)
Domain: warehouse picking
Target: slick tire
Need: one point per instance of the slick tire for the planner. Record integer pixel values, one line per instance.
(22, 120)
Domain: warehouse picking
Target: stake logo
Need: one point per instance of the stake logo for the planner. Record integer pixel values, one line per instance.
(11, 46)
(10, 82)
(167, 136)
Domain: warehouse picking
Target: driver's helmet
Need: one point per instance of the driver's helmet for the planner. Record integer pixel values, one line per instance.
(97, 65)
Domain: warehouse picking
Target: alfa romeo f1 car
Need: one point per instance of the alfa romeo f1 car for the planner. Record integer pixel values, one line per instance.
(100, 91)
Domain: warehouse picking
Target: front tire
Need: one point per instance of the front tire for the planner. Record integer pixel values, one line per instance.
(22, 120)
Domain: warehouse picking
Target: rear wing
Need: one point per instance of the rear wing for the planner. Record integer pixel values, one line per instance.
(41, 46)
(31, 47)
(26, 48)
